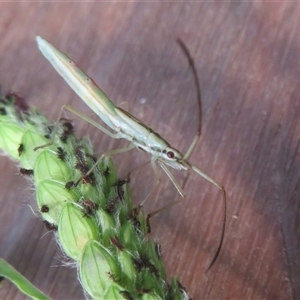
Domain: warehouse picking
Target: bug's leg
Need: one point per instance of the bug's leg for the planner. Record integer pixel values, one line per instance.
(80, 115)
(91, 121)
(156, 174)
(139, 167)
(174, 181)
(157, 179)
(167, 206)
(172, 178)
(205, 176)
(178, 188)
(53, 134)
(108, 153)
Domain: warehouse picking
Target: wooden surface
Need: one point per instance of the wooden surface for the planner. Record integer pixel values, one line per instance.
(248, 59)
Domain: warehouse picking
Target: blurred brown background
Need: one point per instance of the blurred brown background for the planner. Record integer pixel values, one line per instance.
(248, 59)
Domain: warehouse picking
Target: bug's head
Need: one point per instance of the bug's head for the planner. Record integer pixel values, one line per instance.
(173, 158)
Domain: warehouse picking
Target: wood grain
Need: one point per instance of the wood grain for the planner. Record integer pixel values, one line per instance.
(248, 59)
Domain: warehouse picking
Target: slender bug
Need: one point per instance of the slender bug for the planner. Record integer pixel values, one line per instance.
(128, 127)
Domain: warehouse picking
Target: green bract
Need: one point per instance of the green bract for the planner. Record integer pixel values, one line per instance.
(75, 230)
(48, 165)
(97, 224)
(98, 268)
(53, 195)
(10, 138)
(30, 140)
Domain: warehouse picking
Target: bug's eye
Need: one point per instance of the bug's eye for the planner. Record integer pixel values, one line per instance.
(170, 154)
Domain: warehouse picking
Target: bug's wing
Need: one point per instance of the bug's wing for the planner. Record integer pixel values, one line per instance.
(84, 86)
(143, 135)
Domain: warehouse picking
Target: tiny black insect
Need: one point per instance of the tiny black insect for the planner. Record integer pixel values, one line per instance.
(126, 295)
(2, 111)
(21, 149)
(44, 209)
(89, 207)
(68, 129)
(49, 226)
(26, 172)
(21, 107)
(61, 154)
(115, 241)
(69, 184)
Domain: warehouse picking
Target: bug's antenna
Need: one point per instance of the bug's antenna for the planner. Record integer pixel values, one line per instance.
(197, 83)
(192, 146)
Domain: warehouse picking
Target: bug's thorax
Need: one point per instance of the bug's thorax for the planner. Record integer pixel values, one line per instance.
(147, 140)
